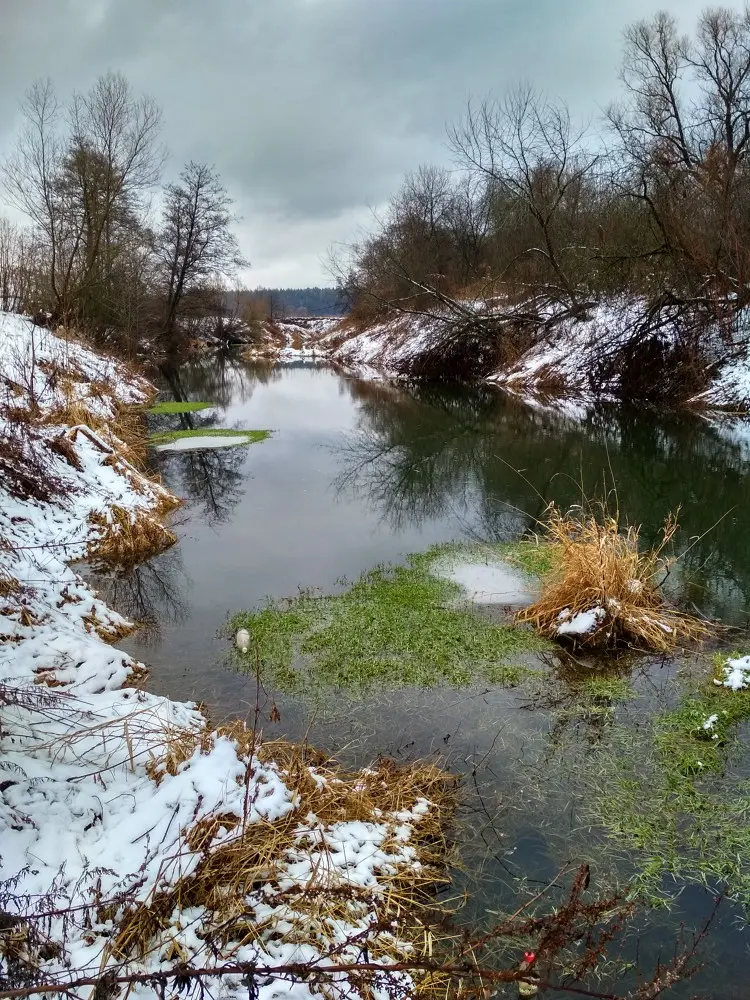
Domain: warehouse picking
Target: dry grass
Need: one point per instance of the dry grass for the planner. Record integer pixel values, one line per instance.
(255, 855)
(125, 537)
(602, 566)
(126, 432)
(9, 585)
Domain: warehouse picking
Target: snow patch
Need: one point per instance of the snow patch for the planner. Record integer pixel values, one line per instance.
(581, 623)
(736, 674)
(204, 441)
(488, 583)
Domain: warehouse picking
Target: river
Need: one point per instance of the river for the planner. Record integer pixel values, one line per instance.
(360, 473)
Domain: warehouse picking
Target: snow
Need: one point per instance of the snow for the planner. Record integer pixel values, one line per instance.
(488, 583)
(278, 339)
(565, 360)
(29, 356)
(581, 623)
(381, 349)
(204, 441)
(709, 724)
(89, 809)
(736, 674)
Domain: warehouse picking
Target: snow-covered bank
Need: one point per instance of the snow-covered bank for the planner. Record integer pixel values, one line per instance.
(572, 359)
(135, 840)
(291, 339)
(383, 349)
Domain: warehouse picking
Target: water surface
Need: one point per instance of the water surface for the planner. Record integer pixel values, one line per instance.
(360, 473)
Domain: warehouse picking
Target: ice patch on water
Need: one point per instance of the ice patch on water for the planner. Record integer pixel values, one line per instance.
(488, 583)
(204, 441)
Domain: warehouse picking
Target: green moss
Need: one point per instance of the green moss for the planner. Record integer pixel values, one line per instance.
(536, 558)
(243, 437)
(663, 791)
(396, 625)
(604, 688)
(510, 675)
(175, 406)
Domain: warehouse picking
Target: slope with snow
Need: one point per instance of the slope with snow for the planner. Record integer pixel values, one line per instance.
(96, 825)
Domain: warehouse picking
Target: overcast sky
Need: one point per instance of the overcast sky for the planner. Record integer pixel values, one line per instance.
(312, 110)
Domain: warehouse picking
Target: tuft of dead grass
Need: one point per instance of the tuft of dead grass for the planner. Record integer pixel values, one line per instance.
(125, 537)
(9, 585)
(254, 856)
(602, 566)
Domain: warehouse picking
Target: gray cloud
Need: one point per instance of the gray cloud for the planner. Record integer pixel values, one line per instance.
(312, 110)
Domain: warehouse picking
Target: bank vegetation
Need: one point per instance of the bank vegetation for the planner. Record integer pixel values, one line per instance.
(628, 242)
(108, 249)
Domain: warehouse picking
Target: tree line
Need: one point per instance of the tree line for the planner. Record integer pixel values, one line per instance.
(282, 303)
(107, 248)
(544, 218)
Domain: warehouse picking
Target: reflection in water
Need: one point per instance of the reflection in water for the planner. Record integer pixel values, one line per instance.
(151, 595)
(211, 480)
(359, 473)
(427, 452)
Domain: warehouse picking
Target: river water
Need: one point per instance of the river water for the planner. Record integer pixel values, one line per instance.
(359, 473)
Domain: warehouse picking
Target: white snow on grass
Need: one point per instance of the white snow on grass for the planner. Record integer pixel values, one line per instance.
(92, 820)
(204, 441)
(488, 582)
(736, 674)
(32, 359)
(710, 724)
(581, 623)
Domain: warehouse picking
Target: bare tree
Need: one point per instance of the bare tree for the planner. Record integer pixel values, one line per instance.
(16, 274)
(79, 175)
(683, 133)
(195, 245)
(30, 181)
(534, 160)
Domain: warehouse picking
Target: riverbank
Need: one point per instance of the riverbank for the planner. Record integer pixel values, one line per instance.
(138, 841)
(603, 355)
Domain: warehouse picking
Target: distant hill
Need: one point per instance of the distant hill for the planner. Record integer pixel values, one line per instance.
(286, 302)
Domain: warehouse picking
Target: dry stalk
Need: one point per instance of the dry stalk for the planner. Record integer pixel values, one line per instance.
(602, 566)
(254, 855)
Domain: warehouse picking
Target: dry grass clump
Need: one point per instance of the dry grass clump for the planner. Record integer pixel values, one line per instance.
(126, 537)
(253, 856)
(125, 432)
(9, 585)
(603, 567)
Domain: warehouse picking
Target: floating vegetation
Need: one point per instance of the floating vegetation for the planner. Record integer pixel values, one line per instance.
(603, 590)
(178, 406)
(204, 437)
(666, 791)
(396, 625)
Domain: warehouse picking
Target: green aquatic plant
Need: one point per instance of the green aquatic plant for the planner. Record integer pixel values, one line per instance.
(395, 625)
(666, 792)
(243, 437)
(534, 556)
(606, 688)
(178, 406)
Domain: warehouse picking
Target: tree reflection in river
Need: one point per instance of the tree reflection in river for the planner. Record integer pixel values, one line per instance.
(151, 595)
(211, 480)
(495, 462)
